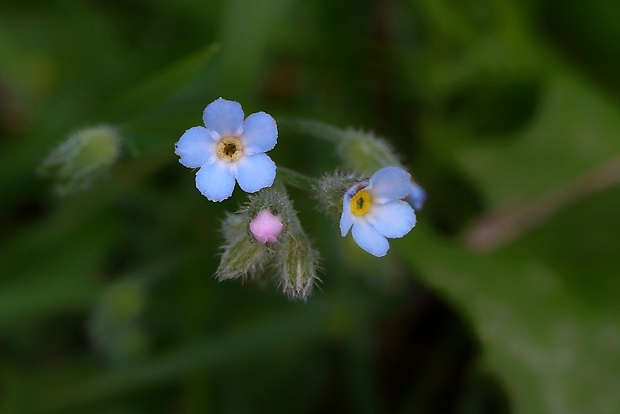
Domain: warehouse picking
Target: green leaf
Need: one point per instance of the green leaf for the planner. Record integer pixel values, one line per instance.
(162, 85)
(552, 348)
(575, 130)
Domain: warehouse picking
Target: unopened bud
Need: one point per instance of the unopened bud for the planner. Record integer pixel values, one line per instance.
(254, 232)
(82, 158)
(365, 153)
(266, 227)
(297, 263)
(241, 256)
(265, 239)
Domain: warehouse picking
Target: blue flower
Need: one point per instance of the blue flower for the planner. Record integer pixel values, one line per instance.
(375, 210)
(228, 148)
(416, 196)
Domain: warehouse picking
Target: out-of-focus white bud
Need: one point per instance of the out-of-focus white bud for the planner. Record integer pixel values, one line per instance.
(83, 157)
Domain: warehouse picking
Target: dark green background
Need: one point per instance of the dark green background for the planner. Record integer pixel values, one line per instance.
(507, 112)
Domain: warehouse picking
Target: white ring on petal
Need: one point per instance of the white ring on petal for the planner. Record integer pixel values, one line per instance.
(255, 172)
(260, 132)
(369, 239)
(224, 117)
(215, 181)
(393, 219)
(194, 147)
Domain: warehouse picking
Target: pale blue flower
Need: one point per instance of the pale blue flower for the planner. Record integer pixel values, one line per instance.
(416, 196)
(376, 210)
(228, 148)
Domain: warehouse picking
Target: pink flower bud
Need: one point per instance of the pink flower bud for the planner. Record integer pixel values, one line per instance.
(266, 227)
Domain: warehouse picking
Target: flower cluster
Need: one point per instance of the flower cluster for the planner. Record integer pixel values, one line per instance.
(265, 239)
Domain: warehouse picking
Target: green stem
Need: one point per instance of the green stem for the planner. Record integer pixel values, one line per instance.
(315, 129)
(295, 179)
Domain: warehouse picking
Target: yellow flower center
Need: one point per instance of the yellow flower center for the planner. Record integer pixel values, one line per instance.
(229, 149)
(360, 203)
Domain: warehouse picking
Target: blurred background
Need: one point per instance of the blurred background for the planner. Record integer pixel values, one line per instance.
(503, 299)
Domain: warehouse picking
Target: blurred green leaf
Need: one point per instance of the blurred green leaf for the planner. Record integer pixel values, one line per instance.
(553, 349)
(53, 267)
(574, 130)
(158, 88)
(263, 337)
(245, 27)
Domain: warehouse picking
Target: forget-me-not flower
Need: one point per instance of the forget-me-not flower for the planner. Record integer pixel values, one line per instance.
(228, 148)
(376, 210)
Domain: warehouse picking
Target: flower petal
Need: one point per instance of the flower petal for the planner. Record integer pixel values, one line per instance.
(255, 172)
(369, 239)
(260, 132)
(390, 183)
(416, 197)
(224, 117)
(346, 219)
(195, 147)
(393, 219)
(215, 181)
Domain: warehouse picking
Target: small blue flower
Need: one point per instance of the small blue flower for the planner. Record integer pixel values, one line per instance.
(229, 149)
(375, 210)
(416, 197)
